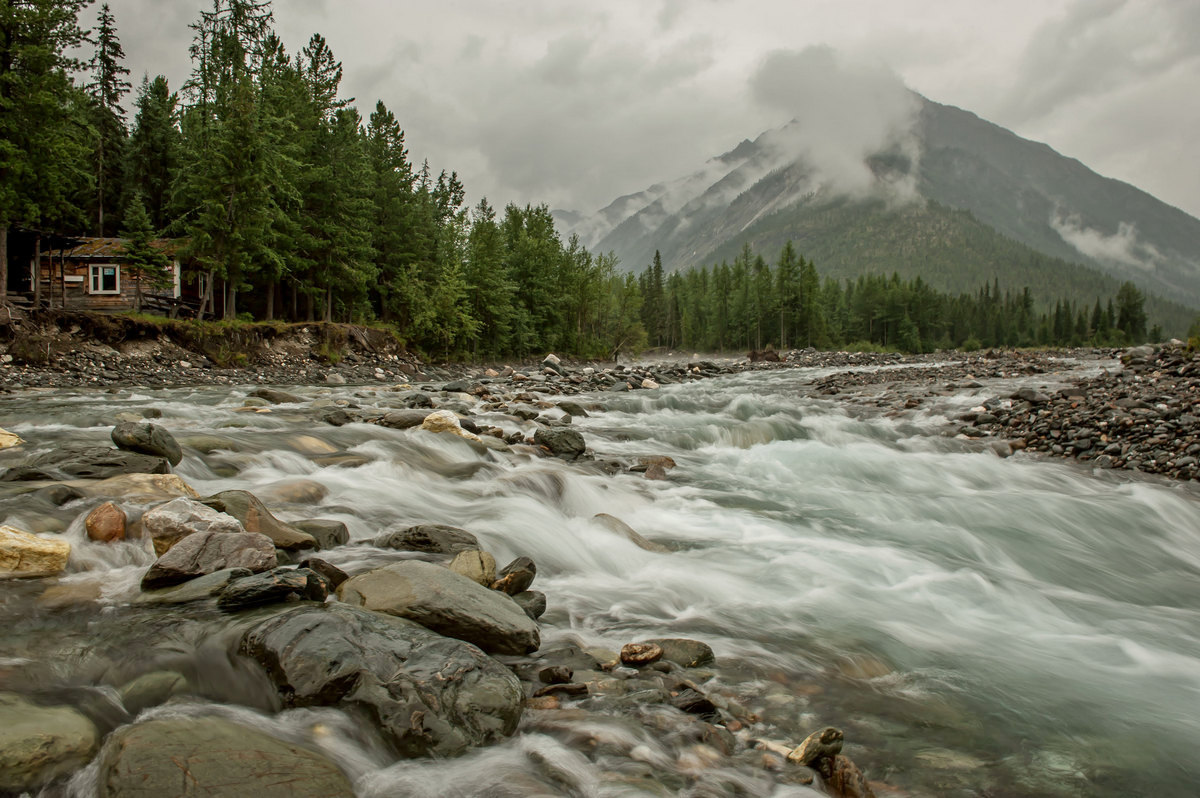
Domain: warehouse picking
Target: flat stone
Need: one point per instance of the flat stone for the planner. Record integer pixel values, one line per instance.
(39, 744)
(429, 538)
(255, 517)
(198, 589)
(327, 532)
(446, 602)
(140, 488)
(146, 438)
(208, 552)
(170, 523)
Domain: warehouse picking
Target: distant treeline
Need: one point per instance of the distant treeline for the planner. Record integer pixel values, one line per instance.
(292, 206)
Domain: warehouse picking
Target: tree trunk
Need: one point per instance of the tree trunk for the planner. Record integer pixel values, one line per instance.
(329, 304)
(35, 271)
(3, 261)
(270, 315)
(230, 301)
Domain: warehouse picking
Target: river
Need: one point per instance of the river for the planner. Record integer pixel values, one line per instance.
(976, 625)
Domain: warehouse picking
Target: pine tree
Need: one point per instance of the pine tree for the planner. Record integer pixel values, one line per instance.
(152, 156)
(108, 89)
(145, 263)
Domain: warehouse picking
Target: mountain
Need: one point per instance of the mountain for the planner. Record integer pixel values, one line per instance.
(957, 200)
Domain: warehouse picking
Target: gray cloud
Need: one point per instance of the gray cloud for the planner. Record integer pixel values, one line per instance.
(845, 111)
(1122, 247)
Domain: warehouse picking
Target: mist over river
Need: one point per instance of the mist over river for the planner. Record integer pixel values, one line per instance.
(975, 625)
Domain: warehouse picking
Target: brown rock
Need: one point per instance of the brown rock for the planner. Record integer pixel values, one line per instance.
(543, 702)
(818, 750)
(476, 565)
(106, 523)
(640, 653)
(847, 781)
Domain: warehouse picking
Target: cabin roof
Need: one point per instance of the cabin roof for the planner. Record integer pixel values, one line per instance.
(109, 247)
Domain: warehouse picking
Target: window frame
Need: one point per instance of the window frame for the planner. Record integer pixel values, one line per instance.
(96, 278)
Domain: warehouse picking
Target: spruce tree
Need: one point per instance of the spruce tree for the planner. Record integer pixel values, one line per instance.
(108, 89)
(146, 264)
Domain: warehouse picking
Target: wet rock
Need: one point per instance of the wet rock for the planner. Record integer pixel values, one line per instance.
(516, 577)
(141, 488)
(255, 517)
(562, 442)
(533, 602)
(293, 491)
(152, 689)
(273, 587)
(334, 575)
(59, 495)
(336, 417)
(573, 409)
(9, 440)
(569, 689)
(445, 421)
(146, 438)
(637, 654)
(198, 589)
(99, 463)
(476, 565)
(696, 703)
(429, 538)
(684, 652)
(39, 744)
(26, 555)
(170, 523)
(327, 532)
(1031, 395)
(431, 695)
(208, 552)
(616, 525)
(450, 604)
(276, 397)
(106, 523)
(211, 756)
(403, 419)
(818, 750)
(847, 781)
(555, 674)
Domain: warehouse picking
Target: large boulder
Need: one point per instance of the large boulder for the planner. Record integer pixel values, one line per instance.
(146, 438)
(100, 463)
(326, 531)
(446, 602)
(431, 695)
(255, 517)
(170, 523)
(429, 538)
(39, 744)
(561, 441)
(272, 587)
(24, 554)
(209, 552)
(140, 488)
(213, 757)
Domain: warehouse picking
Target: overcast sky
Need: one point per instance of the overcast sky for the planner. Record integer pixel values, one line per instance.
(575, 103)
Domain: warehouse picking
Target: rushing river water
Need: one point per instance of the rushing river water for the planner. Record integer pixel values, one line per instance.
(977, 626)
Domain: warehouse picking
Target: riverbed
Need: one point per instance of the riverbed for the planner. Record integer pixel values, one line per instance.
(976, 625)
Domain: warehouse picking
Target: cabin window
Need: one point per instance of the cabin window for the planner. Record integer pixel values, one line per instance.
(105, 278)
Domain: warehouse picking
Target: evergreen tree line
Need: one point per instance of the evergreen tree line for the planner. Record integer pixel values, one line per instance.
(290, 205)
(752, 305)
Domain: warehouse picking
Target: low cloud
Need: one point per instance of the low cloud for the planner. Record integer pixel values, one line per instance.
(844, 112)
(1120, 247)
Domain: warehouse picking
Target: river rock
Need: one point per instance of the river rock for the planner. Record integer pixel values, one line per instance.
(9, 440)
(327, 532)
(106, 523)
(429, 538)
(147, 438)
(516, 577)
(619, 527)
(684, 651)
(533, 602)
(272, 587)
(446, 421)
(170, 523)
(847, 781)
(476, 565)
(638, 654)
(562, 442)
(152, 689)
(334, 575)
(100, 463)
(276, 397)
(141, 488)
(211, 756)
(207, 552)
(450, 604)
(255, 517)
(198, 589)
(818, 750)
(431, 695)
(58, 495)
(404, 419)
(39, 744)
(26, 555)
(293, 491)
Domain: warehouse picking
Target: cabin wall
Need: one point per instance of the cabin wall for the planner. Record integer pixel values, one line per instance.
(68, 285)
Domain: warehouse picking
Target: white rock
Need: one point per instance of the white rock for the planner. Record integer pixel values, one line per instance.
(9, 440)
(445, 421)
(649, 383)
(169, 523)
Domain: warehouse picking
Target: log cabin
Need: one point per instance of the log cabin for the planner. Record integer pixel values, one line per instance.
(93, 275)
